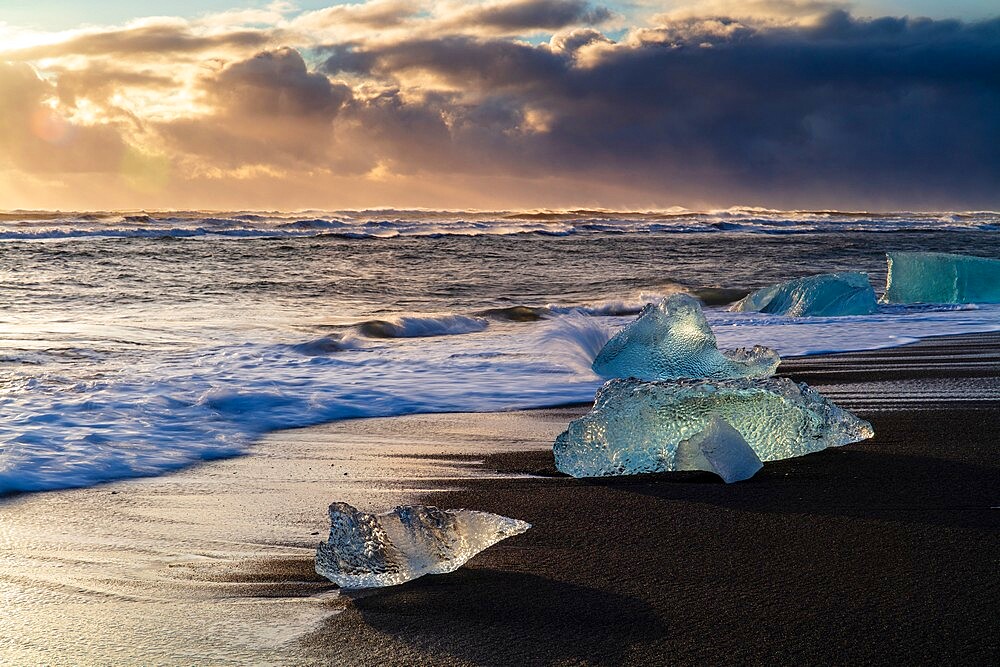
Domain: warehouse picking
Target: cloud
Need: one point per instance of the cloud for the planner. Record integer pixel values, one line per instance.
(277, 83)
(268, 111)
(759, 12)
(377, 14)
(160, 39)
(770, 102)
(458, 60)
(571, 41)
(520, 16)
(36, 138)
(885, 110)
(100, 80)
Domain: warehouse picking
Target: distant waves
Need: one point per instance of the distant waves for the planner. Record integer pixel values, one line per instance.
(387, 224)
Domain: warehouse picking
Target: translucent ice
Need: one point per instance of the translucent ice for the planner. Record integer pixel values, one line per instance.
(938, 277)
(672, 340)
(720, 449)
(637, 427)
(368, 551)
(823, 295)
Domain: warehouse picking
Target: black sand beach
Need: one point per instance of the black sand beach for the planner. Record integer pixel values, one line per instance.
(885, 551)
(261, 259)
(881, 552)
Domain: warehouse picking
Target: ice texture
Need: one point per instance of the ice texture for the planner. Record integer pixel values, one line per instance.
(637, 426)
(823, 295)
(939, 277)
(719, 448)
(671, 339)
(369, 551)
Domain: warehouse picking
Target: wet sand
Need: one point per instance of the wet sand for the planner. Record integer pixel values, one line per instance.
(885, 551)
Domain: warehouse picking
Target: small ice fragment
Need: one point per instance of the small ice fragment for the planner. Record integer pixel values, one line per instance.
(636, 427)
(939, 277)
(720, 449)
(368, 551)
(672, 339)
(823, 295)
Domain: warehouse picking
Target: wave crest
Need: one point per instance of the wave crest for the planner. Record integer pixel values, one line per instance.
(415, 326)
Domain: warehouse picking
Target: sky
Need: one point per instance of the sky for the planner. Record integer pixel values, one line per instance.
(883, 104)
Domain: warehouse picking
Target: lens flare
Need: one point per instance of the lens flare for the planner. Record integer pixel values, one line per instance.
(49, 126)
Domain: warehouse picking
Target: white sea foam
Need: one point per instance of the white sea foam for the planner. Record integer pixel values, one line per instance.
(614, 306)
(168, 410)
(129, 358)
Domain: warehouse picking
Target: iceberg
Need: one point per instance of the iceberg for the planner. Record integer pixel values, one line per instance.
(672, 339)
(938, 277)
(823, 295)
(641, 427)
(720, 449)
(369, 551)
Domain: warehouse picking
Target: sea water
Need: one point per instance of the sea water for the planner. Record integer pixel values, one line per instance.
(136, 343)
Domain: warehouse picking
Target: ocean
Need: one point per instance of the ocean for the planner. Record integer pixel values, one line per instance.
(136, 343)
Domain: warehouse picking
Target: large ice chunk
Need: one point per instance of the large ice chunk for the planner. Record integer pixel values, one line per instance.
(368, 551)
(823, 295)
(672, 339)
(637, 427)
(720, 449)
(938, 277)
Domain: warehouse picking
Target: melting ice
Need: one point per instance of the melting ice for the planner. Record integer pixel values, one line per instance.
(637, 427)
(369, 551)
(720, 449)
(824, 295)
(938, 277)
(671, 340)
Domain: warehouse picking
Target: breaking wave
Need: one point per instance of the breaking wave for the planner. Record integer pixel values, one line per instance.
(172, 409)
(412, 326)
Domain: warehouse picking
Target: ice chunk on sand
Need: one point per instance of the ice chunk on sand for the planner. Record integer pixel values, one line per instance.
(720, 449)
(368, 551)
(823, 295)
(938, 277)
(636, 427)
(672, 339)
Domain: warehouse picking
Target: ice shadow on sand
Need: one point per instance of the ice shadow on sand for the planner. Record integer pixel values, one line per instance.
(934, 468)
(486, 617)
(843, 483)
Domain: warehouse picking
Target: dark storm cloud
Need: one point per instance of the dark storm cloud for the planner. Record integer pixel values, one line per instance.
(277, 83)
(267, 110)
(530, 15)
(878, 110)
(800, 106)
(461, 60)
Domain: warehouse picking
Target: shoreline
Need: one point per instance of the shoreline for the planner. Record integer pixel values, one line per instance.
(876, 551)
